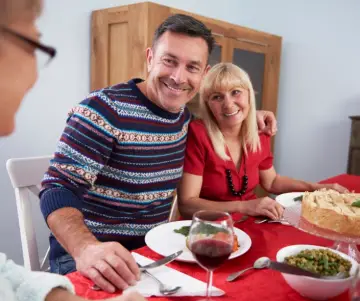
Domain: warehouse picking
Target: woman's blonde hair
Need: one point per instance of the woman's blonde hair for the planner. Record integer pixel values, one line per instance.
(16, 10)
(225, 77)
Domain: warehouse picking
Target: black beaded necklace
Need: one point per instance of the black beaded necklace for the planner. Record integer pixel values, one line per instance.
(244, 181)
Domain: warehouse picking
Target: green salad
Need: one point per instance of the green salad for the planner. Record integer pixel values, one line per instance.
(200, 228)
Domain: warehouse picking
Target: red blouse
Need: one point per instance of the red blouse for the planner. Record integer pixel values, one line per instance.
(201, 160)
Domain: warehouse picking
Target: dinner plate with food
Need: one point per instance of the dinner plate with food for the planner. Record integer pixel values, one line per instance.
(168, 238)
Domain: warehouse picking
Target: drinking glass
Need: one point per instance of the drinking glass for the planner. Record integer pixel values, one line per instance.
(211, 239)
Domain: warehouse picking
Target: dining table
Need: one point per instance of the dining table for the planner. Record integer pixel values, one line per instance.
(265, 284)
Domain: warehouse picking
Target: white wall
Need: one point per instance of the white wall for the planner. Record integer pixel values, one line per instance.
(319, 84)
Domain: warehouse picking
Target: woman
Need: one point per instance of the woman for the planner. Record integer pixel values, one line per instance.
(19, 39)
(226, 157)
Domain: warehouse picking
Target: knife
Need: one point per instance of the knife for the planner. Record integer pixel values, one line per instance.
(160, 262)
(290, 269)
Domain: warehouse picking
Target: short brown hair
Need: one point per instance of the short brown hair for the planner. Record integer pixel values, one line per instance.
(186, 25)
(15, 10)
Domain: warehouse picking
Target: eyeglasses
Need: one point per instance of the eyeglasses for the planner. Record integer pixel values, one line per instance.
(44, 54)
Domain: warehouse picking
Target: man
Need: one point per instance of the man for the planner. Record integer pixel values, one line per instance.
(120, 159)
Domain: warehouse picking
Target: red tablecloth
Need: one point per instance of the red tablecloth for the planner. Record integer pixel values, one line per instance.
(267, 239)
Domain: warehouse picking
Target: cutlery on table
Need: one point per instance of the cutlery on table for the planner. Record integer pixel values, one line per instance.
(268, 220)
(260, 263)
(265, 262)
(164, 289)
(161, 262)
(152, 265)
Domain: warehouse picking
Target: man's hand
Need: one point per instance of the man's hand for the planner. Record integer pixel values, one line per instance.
(266, 122)
(109, 265)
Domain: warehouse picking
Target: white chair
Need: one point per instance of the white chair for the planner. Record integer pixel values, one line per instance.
(174, 212)
(26, 175)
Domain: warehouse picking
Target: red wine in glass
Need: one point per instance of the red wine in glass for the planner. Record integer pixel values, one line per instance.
(211, 253)
(211, 239)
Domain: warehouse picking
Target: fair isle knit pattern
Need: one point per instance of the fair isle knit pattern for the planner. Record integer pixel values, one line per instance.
(118, 160)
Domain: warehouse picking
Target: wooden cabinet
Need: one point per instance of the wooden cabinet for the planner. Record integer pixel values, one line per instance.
(354, 148)
(120, 36)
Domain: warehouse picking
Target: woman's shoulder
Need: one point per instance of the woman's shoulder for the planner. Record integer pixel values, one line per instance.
(198, 132)
(197, 123)
(265, 142)
(198, 127)
(264, 138)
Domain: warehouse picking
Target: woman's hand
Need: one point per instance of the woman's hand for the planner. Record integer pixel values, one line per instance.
(334, 186)
(262, 206)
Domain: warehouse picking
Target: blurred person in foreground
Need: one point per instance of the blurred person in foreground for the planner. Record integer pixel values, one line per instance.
(19, 42)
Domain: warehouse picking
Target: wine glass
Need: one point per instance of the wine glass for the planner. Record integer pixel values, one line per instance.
(210, 240)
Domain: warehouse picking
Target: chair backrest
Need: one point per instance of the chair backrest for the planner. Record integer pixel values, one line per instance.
(26, 175)
(174, 212)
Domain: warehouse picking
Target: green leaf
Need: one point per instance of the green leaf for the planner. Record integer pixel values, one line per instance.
(298, 198)
(326, 263)
(208, 229)
(356, 203)
(183, 230)
(200, 228)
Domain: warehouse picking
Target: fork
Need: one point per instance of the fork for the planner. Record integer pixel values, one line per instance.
(163, 288)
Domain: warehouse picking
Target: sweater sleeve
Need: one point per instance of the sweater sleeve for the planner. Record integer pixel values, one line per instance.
(84, 148)
(20, 284)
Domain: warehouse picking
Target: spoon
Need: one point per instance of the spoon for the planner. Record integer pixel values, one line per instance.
(260, 263)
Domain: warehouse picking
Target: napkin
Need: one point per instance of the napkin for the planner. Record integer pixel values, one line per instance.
(189, 285)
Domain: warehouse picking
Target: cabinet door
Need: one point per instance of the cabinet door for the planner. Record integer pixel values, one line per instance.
(354, 162)
(119, 38)
(218, 55)
(220, 51)
(262, 64)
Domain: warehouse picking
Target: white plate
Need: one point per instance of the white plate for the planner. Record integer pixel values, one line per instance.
(287, 200)
(164, 241)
